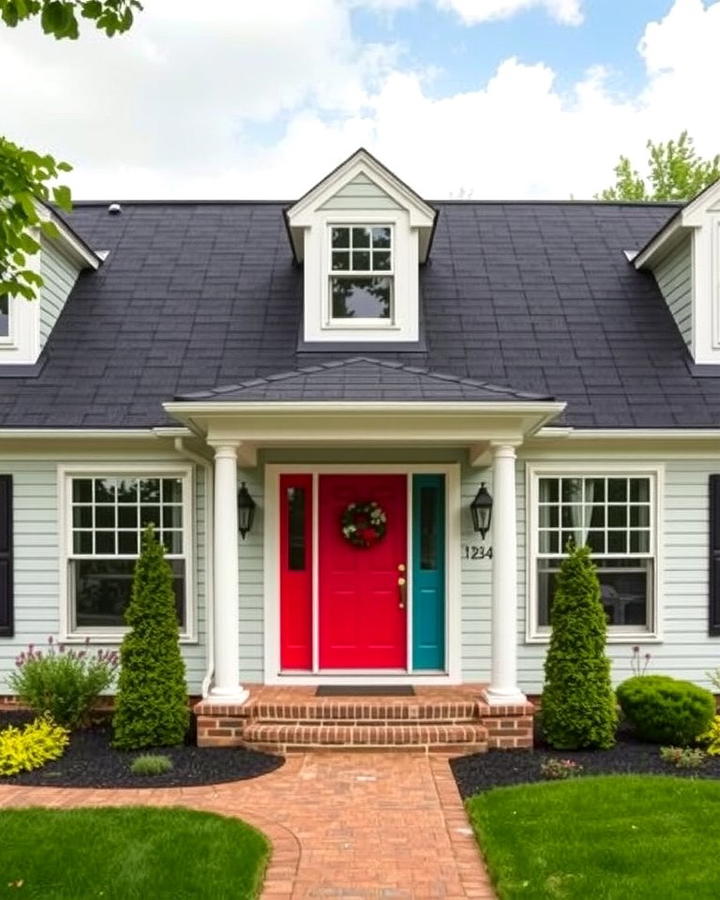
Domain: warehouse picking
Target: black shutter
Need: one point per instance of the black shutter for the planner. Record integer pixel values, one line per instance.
(6, 557)
(714, 593)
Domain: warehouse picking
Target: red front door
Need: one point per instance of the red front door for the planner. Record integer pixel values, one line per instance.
(362, 613)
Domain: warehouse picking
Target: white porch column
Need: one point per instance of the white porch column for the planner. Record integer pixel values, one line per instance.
(503, 687)
(226, 683)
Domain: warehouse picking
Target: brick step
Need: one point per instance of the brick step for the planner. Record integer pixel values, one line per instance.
(286, 737)
(363, 711)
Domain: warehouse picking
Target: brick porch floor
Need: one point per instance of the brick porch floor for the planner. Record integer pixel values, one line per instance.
(342, 825)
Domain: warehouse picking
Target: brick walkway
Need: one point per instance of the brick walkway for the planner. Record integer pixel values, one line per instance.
(342, 825)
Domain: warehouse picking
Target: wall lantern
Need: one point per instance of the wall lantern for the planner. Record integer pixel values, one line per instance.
(481, 509)
(246, 510)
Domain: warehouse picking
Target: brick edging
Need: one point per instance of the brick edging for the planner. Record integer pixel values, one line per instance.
(473, 872)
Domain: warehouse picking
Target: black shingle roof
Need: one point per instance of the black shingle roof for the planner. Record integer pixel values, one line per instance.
(361, 378)
(536, 297)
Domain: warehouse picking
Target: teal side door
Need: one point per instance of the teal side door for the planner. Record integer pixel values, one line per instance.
(428, 572)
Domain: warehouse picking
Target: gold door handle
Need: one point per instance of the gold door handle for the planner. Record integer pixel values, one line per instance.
(401, 567)
(402, 585)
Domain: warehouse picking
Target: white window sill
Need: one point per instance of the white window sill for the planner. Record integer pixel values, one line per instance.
(111, 637)
(643, 637)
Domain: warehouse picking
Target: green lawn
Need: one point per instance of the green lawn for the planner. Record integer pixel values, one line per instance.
(123, 854)
(620, 837)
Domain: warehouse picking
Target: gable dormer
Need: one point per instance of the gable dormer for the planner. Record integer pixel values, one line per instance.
(684, 257)
(361, 235)
(25, 325)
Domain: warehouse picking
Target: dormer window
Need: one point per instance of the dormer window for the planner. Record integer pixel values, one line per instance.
(361, 236)
(361, 280)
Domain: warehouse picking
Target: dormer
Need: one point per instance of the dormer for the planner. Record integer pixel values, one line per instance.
(361, 235)
(25, 325)
(684, 257)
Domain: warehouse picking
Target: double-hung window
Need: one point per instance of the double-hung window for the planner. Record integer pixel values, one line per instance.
(361, 274)
(615, 515)
(107, 516)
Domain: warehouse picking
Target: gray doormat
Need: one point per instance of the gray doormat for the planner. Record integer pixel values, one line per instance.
(376, 690)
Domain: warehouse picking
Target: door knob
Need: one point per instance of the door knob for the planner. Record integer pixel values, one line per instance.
(401, 567)
(401, 581)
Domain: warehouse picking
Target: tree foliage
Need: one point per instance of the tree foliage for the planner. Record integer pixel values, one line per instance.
(675, 172)
(151, 705)
(578, 703)
(24, 174)
(24, 177)
(60, 17)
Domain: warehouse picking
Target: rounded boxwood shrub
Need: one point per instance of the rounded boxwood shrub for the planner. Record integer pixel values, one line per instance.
(665, 710)
(578, 703)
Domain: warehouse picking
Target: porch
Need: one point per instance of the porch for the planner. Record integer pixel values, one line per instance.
(453, 719)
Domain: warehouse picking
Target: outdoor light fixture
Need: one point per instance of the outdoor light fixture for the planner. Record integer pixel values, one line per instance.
(481, 509)
(246, 510)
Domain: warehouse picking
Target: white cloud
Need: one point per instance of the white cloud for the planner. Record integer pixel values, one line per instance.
(568, 12)
(184, 105)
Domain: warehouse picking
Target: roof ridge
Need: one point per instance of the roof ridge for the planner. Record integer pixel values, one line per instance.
(353, 360)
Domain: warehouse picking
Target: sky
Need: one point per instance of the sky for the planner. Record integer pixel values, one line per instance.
(483, 99)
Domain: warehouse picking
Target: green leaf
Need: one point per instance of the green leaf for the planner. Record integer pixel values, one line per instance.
(62, 197)
(91, 9)
(50, 229)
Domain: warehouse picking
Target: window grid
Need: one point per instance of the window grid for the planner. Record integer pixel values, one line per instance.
(612, 520)
(361, 250)
(105, 525)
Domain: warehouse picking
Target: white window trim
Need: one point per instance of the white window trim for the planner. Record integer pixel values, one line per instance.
(65, 474)
(21, 345)
(535, 634)
(404, 325)
(369, 322)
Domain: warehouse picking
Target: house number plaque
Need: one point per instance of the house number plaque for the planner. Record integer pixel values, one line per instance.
(476, 551)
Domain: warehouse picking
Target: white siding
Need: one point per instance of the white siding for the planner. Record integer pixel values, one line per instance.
(251, 575)
(37, 570)
(59, 275)
(360, 193)
(674, 278)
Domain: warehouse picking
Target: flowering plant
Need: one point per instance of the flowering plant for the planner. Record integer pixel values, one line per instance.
(63, 683)
(555, 769)
(364, 524)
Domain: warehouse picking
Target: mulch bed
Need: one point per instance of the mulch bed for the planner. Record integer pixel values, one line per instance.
(91, 762)
(483, 771)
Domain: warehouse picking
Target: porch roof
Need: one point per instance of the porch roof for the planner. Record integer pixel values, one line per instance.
(362, 378)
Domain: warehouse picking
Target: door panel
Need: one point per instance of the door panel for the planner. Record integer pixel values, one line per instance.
(296, 572)
(362, 622)
(428, 572)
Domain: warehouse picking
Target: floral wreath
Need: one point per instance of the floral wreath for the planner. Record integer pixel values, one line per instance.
(364, 524)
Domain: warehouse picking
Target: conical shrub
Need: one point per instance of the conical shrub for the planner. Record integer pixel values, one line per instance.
(151, 704)
(578, 703)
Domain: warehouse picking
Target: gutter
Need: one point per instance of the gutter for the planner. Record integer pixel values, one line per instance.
(209, 557)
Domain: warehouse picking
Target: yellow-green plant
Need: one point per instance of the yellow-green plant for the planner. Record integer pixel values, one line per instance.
(711, 738)
(24, 749)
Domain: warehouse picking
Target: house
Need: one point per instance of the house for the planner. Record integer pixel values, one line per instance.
(351, 380)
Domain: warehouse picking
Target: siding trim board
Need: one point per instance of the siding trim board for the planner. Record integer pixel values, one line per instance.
(714, 547)
(6, 556)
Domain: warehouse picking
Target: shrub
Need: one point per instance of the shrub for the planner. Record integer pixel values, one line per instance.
(664, 710)
(711, 738)
(682, 757)
(63, 683)
(23, 749)
(558, 769)
(578, 705)
(151, 705)
(151, 764)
